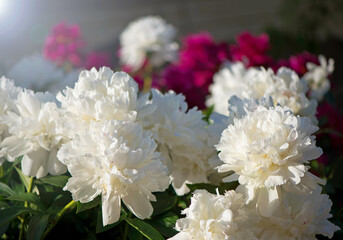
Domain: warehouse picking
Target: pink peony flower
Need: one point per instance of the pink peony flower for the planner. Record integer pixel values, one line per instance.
(63, 44)
(97, 60)
(252, 50)
(199, 58)
(297, 62)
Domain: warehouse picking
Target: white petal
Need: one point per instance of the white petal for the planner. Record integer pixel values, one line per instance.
(138, 204)
(110, 210)
(55, 167)
(34, 164)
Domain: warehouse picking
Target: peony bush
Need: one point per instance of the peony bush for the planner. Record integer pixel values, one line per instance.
(136, 155)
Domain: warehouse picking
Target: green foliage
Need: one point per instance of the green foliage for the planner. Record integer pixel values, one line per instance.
(37, 226)
(144, 228)
(5, 190)
(57, 181)
(8, 214)
(28, 197)
(84, 206)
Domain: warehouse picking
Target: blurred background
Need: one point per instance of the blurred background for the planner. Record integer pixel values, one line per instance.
(293, 25)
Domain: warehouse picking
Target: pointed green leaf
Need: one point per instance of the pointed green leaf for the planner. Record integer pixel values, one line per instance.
(57, 181)
(5, 190)
(25, 179)
(10, 213)
(165, 224)
(27, 197)
(37, 226)
(147, 230)
(84, 206)
(134, 234)
(164, 202)
(210, 188)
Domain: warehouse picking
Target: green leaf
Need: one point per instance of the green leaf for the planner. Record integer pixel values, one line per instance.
(165, 201)
(210, 188)
(84, 206)
(28, 197)
(133, 234)
(10, 213)
(5, 190)
(3, 229)
(3, 205)
(223, 187)
(165, 224)
(7, 170)
(207, 113)
(57, 181)
(100, 228)
(147, 230)
(25, 179)
(37, 226)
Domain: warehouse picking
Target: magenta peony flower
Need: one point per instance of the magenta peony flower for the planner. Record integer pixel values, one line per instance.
(98, 60)
(252, 50)
(199, 58)
(297, 62)
(63, 44)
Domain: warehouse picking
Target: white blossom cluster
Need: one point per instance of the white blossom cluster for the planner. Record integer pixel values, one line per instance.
(115, 143)
(284, 86)
(267, 148)
(38, 73)
(148, 37)
(317, 77)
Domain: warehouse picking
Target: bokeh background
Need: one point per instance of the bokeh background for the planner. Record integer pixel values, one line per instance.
(293, 25)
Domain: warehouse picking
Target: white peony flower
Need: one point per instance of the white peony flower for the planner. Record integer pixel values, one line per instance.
(38, 73)
(215, 217)
(284, 87)
(299, 217)
(148, 37)
(116, 160)
(182, 138)
(317, 77)
(8, 93)
(269, 147)
(101, 96)
(231, 80)
(36, 131)
(238, 107)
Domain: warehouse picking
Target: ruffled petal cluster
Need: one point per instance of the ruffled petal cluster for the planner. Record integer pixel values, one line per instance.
(269, 147)
(285, 87)
(148, 37)
(116, 160)
(36, 131)
(215, 217)
(101, 96)
(182, 138)
(110, 153)
(317, 77)
(40, 74)
(299, 217)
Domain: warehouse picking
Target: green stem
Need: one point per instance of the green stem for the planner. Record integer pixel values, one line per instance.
(29, 190)
(126, 228)
(148, 79)
(2, 171)
(21, 233)
(70, 205)
(23, 220)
